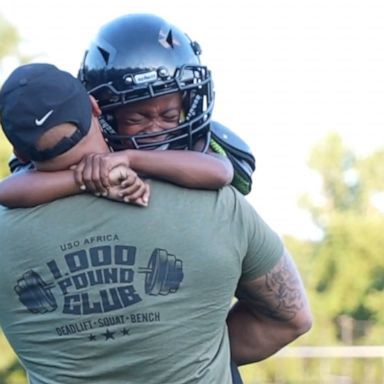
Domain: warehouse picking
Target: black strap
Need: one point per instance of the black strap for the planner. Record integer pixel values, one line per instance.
(236, 378)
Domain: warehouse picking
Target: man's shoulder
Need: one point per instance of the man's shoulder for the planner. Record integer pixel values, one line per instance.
(69, 204)
(167, 194)
(163, 187)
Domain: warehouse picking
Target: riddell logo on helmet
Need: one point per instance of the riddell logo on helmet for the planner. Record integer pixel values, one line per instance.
(145, 77)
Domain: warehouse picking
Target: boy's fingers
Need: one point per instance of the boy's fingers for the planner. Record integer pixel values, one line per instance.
(146, 193)
(97, 175)
(78, 174)
(139, 192)
(130, 179)
(87, 174)
(104, 173)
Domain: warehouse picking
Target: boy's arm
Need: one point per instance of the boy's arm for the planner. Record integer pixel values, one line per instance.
(187, 168)
(30, 188)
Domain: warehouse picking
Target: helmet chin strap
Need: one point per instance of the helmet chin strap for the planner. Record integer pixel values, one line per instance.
(207, 142)
(202, 144)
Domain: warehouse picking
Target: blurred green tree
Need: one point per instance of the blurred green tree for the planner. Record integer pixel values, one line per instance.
(5, 153)
(347, 268)
(10, 368)
(9, 44)
(10, 40)
(9, 49)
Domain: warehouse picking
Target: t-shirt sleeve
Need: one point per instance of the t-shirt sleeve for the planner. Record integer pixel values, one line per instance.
(263, 246)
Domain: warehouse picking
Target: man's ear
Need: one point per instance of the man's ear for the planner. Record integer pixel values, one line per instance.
(20, 156)
(95, 107)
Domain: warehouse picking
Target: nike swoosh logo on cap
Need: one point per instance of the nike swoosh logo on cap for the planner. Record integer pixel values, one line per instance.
(41, 121)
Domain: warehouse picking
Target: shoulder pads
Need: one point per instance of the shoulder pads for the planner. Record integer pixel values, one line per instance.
(238, 152)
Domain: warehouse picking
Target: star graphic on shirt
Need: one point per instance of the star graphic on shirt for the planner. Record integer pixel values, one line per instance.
(108, 334)
(92, 337)
(125, 331)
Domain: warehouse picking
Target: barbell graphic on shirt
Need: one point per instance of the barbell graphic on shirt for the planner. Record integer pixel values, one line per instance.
(35, 293)
(163, 275)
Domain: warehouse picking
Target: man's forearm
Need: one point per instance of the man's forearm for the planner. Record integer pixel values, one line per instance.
(254, 338)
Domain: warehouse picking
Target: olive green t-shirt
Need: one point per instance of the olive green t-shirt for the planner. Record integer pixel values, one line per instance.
(95, 291)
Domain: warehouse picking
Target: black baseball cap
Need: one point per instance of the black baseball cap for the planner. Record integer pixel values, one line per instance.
(37, 97)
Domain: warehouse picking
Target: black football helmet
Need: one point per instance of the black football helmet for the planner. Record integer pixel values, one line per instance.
(141, 56)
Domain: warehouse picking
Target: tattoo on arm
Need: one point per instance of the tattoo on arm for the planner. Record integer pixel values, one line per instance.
(278, 294)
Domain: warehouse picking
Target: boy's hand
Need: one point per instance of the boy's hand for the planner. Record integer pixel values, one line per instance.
(128, 187)
(93, 171)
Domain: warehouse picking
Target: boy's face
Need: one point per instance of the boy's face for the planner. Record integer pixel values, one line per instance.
(92, 143)
(150, 116)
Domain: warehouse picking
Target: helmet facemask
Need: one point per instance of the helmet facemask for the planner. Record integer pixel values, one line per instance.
(197, 109)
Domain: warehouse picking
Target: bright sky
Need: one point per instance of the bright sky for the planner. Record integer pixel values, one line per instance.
(286, 73)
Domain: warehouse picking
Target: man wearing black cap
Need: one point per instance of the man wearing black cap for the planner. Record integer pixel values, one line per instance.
(50, 119)
(99, 292)
(38, 97)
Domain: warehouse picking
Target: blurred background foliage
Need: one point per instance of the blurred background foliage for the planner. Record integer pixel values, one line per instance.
(9, 44)
(343, 270)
